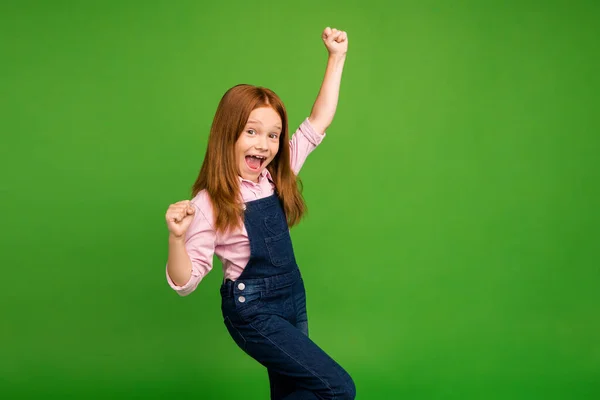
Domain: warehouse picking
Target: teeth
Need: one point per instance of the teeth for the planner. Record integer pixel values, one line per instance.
(261, 157)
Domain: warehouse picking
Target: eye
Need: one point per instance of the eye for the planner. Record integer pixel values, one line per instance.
(273, 135)
(251, 131)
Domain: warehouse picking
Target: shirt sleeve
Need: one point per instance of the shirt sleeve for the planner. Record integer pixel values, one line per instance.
(200, 246)
(302, 143)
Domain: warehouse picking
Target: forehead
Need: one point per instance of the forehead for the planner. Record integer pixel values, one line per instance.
(265, 117)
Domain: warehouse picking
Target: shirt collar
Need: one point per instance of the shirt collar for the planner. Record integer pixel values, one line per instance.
(264, 174)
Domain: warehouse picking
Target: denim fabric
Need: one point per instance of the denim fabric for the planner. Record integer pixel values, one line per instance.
(264, 311)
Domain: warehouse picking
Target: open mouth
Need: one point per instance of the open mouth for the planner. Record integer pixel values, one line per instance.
(255, 162)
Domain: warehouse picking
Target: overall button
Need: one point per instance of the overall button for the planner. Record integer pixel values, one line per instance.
(241, 286)
(242, 299)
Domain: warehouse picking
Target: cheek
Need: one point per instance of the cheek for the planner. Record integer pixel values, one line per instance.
(240, 147)
(275, 148)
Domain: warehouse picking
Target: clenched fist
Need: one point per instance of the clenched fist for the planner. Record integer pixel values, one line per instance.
(336, 41)
(179, 216)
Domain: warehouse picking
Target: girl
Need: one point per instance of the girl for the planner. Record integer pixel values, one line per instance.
(244, 201)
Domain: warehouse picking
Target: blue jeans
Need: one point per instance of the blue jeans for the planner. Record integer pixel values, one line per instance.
(265, 313)
(270, 325)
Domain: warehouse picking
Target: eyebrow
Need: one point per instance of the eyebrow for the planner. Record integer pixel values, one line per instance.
(250, 121)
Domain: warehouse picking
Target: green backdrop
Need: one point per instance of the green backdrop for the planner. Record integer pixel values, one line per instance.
(451, 249)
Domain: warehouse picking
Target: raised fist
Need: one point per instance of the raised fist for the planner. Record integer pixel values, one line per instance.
(335, 40)
(179, 216)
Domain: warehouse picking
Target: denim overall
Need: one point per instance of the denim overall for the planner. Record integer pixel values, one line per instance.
(264, 311)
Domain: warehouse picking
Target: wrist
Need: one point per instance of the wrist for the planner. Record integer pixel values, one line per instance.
(176, 239)
(337, 56)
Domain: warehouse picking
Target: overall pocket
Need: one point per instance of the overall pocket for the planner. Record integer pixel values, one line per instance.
(276, 224)
(280, 248)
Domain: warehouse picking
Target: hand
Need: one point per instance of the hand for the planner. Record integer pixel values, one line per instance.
(336, 41)
(179, 216)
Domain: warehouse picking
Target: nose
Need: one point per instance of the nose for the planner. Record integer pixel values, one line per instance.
(261, 143)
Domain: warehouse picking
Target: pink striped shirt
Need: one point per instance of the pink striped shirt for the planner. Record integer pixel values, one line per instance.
(233, 248)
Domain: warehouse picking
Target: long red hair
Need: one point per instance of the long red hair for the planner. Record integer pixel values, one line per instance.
(219, 175)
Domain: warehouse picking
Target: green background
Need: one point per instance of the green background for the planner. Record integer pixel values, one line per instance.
(451, 249)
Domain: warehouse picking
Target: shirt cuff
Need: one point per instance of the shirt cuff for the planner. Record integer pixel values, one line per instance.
(189, 287)
(309, 132)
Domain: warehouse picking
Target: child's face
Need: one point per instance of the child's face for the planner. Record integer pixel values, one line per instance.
(259, 142)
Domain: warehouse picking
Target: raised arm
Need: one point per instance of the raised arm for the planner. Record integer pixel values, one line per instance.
(323, 110)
